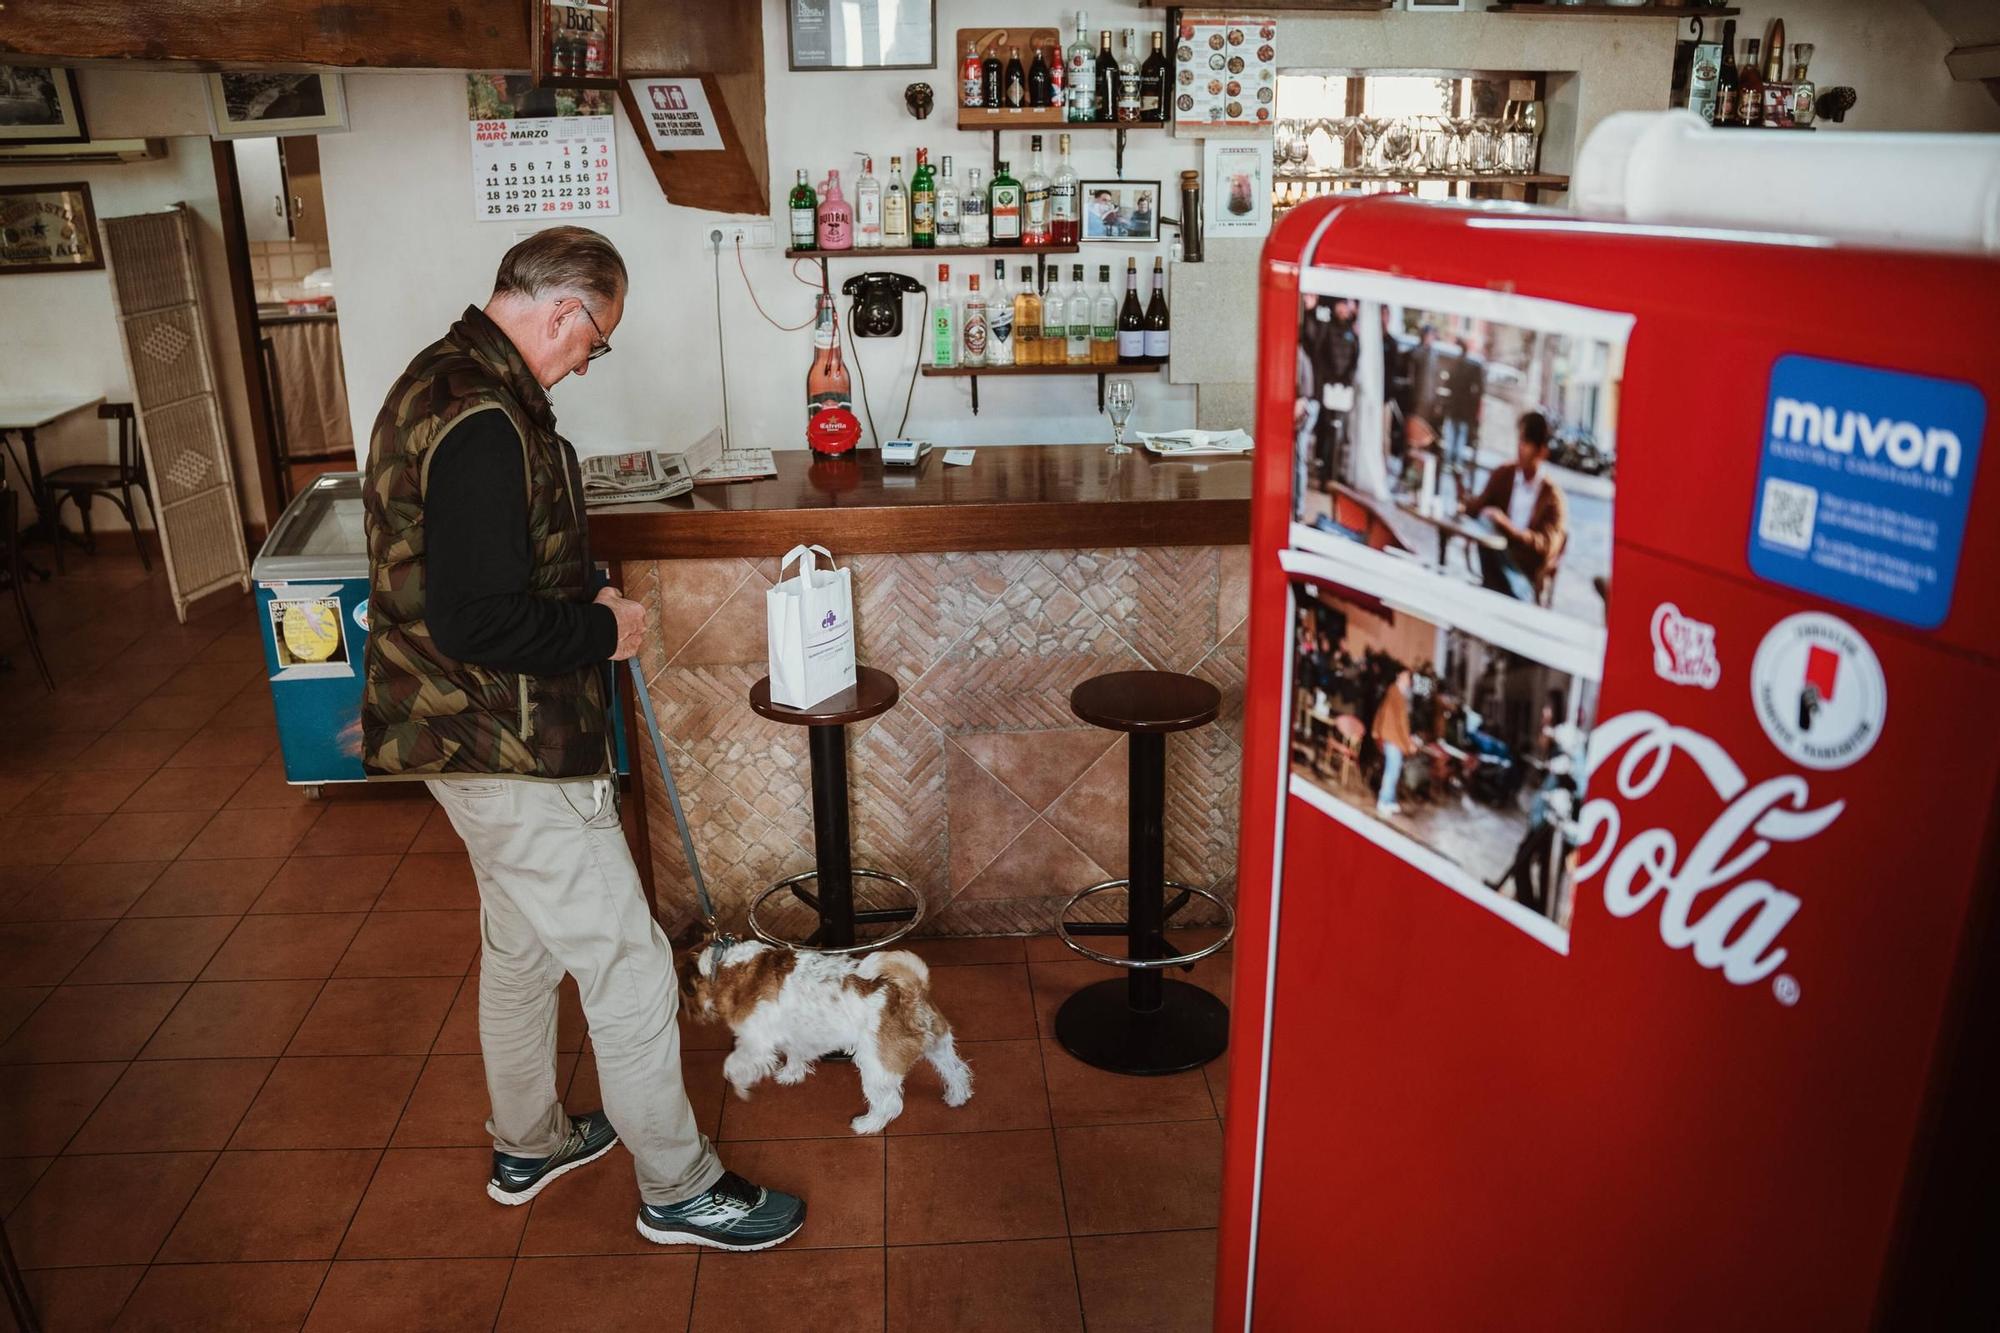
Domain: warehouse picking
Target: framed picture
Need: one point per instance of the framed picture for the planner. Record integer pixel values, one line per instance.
(38, 104)
(1433, 6)
(48, 229)
(1236, 186)
(1127, 211)
(823, 35)
(576, 43)
(250, 106)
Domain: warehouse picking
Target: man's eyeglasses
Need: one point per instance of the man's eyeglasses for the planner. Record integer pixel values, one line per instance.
(603, 344)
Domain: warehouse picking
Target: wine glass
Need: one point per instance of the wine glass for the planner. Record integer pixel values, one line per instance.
(1283, 135)
(1371, 128)
(1118, 399)
(1399, 143)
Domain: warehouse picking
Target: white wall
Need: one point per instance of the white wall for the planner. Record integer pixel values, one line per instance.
(1891, 52)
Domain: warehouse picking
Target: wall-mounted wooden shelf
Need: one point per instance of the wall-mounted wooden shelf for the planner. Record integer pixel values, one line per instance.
(1293, 6)
(1613, 11)
(974, 373)
(986, 118)
(931, 252)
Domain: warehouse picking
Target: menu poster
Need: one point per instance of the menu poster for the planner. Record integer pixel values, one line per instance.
(1226, 73)
(675, 115)
(538, 153)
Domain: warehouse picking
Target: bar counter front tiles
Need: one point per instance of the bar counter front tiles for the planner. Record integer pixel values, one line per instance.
(980, 786)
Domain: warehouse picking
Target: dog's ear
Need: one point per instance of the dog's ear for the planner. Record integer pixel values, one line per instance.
(692, 937)
(687, 947)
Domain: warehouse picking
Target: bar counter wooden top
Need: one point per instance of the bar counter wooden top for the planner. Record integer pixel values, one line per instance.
(1010, 498)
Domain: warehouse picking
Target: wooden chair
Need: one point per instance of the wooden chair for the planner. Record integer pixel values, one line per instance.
(84, 482)
(17, 575)
(1344, 745)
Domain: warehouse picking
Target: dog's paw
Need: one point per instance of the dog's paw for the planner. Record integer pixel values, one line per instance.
(868, 1124)
(793, 1072)
(958, 1096)
(742, 1090)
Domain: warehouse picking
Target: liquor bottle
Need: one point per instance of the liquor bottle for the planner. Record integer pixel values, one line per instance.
(972, 78)
(1153, 83)
(1128, 81)
(805, 214)
(1104, 320)
(949, 210)
(896, 208)
(1038, 81)
(1078, 320)
(1065, 198)
(972, 229)
(1726, 82)
(1159, 325)
(1027, 320)
(836, 218)
(923, 203)
(999, 319)
(1055, 318)
(944, 322)
(1104, 91)
(1082, 81)
(1777, 88)
(1035, 197)
(1803, 90)
(867, 207)
(990, 87)
(1016, 86)
(1058, 80)
(1131, 320)
(972, 325)
(827, 382)
(1003, 207)
(1774, 53)
(1750, 90)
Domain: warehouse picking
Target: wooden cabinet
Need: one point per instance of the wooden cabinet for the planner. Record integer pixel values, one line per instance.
(279, 181)
(304, 202)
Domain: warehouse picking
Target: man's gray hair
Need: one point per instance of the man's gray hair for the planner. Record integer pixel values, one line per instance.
(562, 260)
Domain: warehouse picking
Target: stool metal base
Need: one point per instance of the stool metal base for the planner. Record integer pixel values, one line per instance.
(910, 916)
(1067, 930)
(1099, 1026)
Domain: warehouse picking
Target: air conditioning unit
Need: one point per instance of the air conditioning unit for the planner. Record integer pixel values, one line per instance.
(96, 151)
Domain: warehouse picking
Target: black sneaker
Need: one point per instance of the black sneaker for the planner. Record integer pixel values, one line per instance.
(734, 1215)
(515, 1180)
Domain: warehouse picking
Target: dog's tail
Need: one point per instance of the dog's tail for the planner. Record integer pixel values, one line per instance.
(895, 965)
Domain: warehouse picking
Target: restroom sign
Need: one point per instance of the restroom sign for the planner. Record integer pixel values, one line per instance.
(675, 115)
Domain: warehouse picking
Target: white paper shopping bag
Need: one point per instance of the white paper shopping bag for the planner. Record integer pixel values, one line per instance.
(810, 619)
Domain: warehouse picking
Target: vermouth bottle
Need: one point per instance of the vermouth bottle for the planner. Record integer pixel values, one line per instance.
(1065, 198)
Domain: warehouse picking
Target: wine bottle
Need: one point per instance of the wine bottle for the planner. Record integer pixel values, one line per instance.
(1158, 324)
(1153, 83)
(1131, 320)
(1725, 82)
(1104, 93)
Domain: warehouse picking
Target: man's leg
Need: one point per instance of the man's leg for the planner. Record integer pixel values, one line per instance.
(1502, 575)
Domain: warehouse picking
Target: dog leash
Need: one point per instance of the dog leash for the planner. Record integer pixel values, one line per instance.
(674, 800)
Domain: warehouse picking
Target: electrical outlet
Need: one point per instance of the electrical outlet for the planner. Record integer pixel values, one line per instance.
(751, 235)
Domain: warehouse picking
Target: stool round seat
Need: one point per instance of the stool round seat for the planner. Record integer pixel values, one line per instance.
(1146, 701)
(873, 692)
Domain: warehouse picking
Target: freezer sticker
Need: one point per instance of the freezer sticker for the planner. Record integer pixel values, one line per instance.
(1865, 480)
(1818, 690)
(361, 614)
(1684, 648)
(310, 637)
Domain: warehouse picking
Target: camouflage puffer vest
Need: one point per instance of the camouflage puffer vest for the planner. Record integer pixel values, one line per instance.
(422, 712)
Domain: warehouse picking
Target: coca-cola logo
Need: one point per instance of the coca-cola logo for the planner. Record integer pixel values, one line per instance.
(1709, 900)
(1684, 648)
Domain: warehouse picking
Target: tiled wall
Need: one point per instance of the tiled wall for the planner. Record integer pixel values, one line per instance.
(278, 267)
(980, 786)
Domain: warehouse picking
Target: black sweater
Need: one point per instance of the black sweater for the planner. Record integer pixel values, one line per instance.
(477, 562)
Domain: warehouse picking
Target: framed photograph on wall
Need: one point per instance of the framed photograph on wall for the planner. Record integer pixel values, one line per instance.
(824, 35)
(576, 43)
(1433, 6)
(1236, 186)
(38, 104)
(1127, 211)
(48, 229)
(251, 106)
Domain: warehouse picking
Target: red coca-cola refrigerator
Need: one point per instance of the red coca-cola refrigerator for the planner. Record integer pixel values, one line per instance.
(1618, 851)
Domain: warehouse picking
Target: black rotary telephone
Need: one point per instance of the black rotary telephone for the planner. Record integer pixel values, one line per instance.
(877, 311)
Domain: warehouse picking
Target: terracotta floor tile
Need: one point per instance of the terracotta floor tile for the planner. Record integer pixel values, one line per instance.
(1216, 1074)
(349, 1101)
(698, 1036)
(956, 953)
(84, 892)
(326, 884)
(216, 745)
(841, 1181)
(187, 789)
(430, 1203)
(1007, 1092)
(820, 1107)
(222, 1298)
(252, 832)
(133, 749)
(83, 1300)
(206, 888)
(103, 1210)
(207, 677)
(430, 880)
(962, 1187)
(271, 1205)
(449, 1106)
(172, 1106)
(1121, 1178)
(17, 1176)
(1014, 1286)
(165, 948)
(1081, 1095)
(280, 948)
(232, 1018)
(91, 1023)
(592, 1211)
(437, 835)
(591, 1295)
(1055, 982)
(16, 1003)
(42, 839)
(374, 1017)
(434, 1295)
(42, 1106)
(42, 953)
(157, 835)
(365, 826)
(412, 944)
(1161, 1282)
(985, 1003)
(820, 1291)
(17, 782)
(84, 792)
(174, 712)
(266, 789)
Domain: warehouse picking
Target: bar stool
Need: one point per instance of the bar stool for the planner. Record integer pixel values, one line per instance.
(1144, 1023)
(833, 871)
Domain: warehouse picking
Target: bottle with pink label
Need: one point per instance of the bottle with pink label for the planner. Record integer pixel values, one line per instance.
(836, 216)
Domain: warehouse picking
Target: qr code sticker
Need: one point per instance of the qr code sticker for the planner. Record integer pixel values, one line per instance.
(1787, 519)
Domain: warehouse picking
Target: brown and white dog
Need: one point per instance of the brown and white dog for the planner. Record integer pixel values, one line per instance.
(788, 1009)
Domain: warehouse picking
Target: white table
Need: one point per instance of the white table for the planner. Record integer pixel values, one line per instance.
(23, 417)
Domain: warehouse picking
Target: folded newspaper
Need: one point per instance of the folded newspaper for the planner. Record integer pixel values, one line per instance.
(641, 475)
(1198, 443)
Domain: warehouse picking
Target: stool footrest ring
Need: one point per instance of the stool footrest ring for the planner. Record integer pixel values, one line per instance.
(1067, 933)
(910, 916)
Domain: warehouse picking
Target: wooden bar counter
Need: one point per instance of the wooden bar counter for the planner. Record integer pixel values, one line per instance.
(989, 592)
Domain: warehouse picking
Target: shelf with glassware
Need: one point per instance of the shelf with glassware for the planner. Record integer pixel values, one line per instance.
(1565, 9)
(1294, 6)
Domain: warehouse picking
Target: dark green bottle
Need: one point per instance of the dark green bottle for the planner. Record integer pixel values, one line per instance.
(805, 215)
(923, 203)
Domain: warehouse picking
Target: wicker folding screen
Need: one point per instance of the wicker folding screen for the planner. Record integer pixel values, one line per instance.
(157, 290)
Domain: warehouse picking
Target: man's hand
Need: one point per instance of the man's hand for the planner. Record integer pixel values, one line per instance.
(1497, 516)
(631, 622)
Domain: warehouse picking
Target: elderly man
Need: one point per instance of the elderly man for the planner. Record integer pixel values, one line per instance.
(487, 679)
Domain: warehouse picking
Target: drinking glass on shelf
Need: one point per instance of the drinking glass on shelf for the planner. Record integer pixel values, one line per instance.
(1282, 134)
(1399, 144)
(1461, 150)
(1118, 401)
(1438, 144)
(1324, 147)
(1483, 148)
(1371, 128)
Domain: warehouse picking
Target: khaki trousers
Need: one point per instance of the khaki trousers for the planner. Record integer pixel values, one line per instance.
(558, 893)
